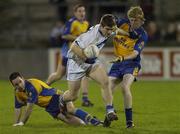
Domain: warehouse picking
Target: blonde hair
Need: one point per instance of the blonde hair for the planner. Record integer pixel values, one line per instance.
(135, 12)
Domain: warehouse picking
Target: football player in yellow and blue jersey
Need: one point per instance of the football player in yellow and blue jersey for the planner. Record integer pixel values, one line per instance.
(127, 50)
(73, 28)
(33, 91)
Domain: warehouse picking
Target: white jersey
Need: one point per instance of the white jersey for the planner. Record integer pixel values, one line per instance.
(76, 67)
(92, 36)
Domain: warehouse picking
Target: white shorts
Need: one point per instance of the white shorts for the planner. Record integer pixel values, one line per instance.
(77, 69)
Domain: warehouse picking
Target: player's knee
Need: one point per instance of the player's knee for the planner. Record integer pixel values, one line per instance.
(70, 109)
(125, 87)
(105, 83)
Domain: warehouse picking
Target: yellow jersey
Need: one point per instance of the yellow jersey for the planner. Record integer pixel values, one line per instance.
(36, 91)
(125, 45)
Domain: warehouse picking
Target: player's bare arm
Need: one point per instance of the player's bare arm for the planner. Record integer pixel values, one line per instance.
(78, 51)
(18, 112)
(27, 112)
(69, 37)
(121, 31)
(128, 57)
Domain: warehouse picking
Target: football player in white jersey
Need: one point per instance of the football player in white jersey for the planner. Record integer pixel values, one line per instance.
(79, 65)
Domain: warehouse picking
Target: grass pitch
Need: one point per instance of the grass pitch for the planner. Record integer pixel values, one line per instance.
(155, 106)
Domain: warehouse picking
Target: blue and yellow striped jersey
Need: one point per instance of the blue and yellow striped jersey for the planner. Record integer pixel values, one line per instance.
(125, 45)
(36, 91)
(75, 28)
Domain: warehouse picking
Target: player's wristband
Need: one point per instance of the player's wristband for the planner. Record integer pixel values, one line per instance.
(90, 60)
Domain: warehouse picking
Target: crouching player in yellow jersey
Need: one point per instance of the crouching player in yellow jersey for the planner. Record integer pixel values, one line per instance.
(127, 50)
(33, 91)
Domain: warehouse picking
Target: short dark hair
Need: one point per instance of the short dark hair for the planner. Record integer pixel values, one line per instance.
(77, 6)
(108, 20)
(14, 75)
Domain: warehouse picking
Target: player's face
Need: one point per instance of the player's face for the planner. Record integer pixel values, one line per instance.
(136, 22)
(19, 83)
(107, 31)
(80, 13)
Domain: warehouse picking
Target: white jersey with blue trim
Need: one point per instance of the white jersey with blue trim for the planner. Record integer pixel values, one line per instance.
(92, 36)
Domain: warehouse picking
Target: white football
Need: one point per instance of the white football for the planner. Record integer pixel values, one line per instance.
(91, 51)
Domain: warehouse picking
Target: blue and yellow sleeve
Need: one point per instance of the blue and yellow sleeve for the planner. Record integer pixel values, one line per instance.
(32, 92)
(121, 21)
(67, 29)
(141, 42)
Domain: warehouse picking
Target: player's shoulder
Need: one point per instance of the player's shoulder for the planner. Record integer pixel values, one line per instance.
(121, 21)
(77, 22)
(94, 28)
(70, 21)
(89, 35)
(33, 82)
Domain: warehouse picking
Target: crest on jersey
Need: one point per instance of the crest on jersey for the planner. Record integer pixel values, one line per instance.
(141, 45)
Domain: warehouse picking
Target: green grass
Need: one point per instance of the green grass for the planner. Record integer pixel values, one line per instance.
(155, 105)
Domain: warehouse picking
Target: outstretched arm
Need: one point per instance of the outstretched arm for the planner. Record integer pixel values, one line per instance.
(17, 115)
(69, 37)
(121, 31)
(27, 112)
(19, 120)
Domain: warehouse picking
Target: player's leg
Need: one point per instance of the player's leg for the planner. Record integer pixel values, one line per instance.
(60, 71)
(73, 91)
(98, 73)
(60, 112)
(70, 119)
(81, 114)
(75, 73)
(85, 100)
(126, 85)
(113, 82)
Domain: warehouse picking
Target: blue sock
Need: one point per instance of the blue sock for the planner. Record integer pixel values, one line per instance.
(128, 113)
(94, 121)
(84, 98)
(86, 117)
(109, 108)
(81, 114)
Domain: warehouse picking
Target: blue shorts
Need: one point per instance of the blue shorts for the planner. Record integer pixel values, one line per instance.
(53, 107)
(118, 70)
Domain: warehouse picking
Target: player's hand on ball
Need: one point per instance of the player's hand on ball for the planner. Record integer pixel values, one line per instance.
(18, 124)
(91, 51)
(118, 59)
